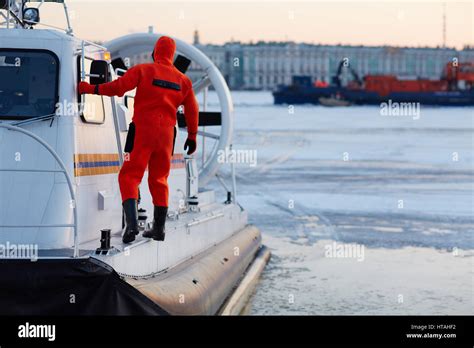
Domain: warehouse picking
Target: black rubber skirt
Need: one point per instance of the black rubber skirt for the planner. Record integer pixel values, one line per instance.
(68, 287)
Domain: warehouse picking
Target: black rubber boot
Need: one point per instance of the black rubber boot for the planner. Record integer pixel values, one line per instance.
(157, 232)
(131, 218)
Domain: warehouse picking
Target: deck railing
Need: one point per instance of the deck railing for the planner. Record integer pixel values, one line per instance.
(62, 170)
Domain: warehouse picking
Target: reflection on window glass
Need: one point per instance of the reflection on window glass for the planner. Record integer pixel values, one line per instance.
(28, 83)
(92, 105)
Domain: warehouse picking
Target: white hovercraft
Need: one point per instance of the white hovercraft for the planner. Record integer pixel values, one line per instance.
(61, 217)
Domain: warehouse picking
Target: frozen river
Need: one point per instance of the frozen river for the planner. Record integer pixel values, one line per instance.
(398, 190)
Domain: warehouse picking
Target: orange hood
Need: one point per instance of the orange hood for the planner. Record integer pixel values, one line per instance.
(164, 50)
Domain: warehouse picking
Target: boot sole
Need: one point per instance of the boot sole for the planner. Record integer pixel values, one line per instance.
(157, 238)
(128, 242)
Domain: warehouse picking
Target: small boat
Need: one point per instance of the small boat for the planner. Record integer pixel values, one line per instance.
(334, 101)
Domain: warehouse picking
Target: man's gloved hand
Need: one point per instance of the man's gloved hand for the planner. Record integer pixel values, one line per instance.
(190, 144)
(86, 88)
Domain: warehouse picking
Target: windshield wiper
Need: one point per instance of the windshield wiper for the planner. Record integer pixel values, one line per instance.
(36, 119)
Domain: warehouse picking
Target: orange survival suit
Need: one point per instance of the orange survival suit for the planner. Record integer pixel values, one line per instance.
(161, 89)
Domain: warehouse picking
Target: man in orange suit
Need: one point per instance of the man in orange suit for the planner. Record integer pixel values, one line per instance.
(161, 89)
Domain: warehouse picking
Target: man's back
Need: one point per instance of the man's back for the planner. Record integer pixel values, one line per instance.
(161, 88)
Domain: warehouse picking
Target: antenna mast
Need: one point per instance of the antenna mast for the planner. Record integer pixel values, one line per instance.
(444, 25)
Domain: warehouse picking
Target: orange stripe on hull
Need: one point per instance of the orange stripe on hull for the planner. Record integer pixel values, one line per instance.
(108, 163)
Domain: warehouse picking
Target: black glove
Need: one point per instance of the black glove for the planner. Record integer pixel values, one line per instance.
(190, 144)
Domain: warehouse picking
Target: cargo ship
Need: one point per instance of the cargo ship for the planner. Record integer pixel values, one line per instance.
(454, 88)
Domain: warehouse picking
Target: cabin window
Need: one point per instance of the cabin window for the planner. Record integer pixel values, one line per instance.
(91, 105)
(28, 83)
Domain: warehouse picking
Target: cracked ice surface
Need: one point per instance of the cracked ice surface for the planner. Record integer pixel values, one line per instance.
(400, 195)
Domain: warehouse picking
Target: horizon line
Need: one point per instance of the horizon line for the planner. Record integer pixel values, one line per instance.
(465, 46)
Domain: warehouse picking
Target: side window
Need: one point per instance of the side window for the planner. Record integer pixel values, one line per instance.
(107, 105)
(28, 83)
(91, 105)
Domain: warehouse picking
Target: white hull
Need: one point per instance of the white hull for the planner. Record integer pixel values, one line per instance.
(59, 189)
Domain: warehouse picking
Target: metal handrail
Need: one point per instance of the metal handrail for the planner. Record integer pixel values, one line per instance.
(116, 123)
(63, 170)
(18, 15)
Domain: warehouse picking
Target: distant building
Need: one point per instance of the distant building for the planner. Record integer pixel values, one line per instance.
(264, 65)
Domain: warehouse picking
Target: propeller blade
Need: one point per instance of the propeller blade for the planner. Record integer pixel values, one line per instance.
(206, 118)
(182, 63)
(119, 63)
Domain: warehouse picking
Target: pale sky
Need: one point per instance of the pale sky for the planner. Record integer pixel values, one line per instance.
(397, 23)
